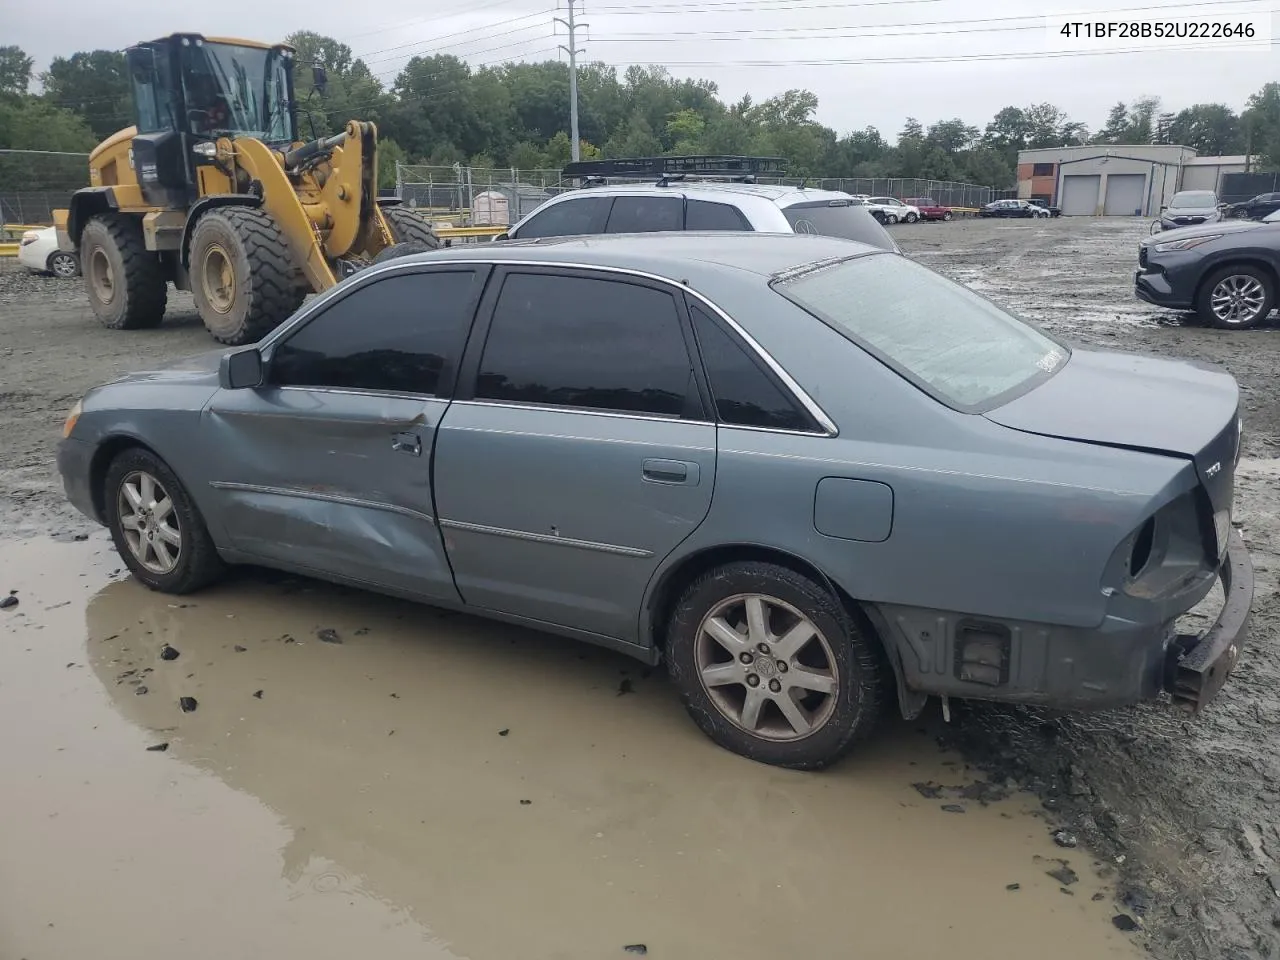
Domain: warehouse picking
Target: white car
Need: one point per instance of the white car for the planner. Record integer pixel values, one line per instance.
(38, 251)
(894, 210)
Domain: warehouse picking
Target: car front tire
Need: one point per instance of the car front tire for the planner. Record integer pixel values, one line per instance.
(911, 218)
(156, 527)
(1236, 297)
(771, 666)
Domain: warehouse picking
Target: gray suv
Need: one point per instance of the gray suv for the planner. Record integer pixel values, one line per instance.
(704, 206)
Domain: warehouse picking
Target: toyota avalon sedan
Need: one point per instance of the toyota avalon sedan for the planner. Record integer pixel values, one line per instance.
(810, 475)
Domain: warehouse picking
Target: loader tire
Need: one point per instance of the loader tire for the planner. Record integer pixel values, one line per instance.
(243, 276)
(407, 227)
(125, 281)
(398, 250)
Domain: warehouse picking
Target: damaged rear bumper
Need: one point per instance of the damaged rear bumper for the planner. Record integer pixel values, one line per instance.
(1197, 665)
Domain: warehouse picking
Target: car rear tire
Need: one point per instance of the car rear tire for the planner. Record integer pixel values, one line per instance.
(890, 218)
(771, 666)
(948, 216)
(63, 265)
(156, 527)
(1236, 297)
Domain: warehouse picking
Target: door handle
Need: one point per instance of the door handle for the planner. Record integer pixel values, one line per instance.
(409, 443)
(671, 471)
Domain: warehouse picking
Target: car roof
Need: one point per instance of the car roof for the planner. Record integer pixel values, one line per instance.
(780, 194)
(672, 256)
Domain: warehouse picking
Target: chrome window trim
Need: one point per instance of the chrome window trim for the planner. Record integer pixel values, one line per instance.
(337, 498)
(395, 266)
(610, 548)
(361, 392)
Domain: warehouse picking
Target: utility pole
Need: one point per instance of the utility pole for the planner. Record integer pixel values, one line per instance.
(573, 51)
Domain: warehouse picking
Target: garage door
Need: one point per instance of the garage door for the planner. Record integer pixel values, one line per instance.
(1080, 195)
(1125, 193)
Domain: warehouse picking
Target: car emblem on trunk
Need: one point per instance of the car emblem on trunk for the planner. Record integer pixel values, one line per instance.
(1213, 470)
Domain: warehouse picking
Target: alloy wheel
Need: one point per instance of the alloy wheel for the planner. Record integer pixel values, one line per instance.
(149, 523)
(1237, 299)
(766, 667)
(63, 265)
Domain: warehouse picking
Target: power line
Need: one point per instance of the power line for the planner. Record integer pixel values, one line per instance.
(826, 31)
(432, 19)
(962, 58)
(449, 36)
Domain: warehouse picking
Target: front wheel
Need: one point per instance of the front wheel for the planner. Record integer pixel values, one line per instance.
(243, 277)
(1236, 297)
(772, 667)
(155, 526)
(912, 218)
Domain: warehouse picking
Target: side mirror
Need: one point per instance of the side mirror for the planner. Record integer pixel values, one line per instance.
(501, 236)
(241, 370)
(319, 79)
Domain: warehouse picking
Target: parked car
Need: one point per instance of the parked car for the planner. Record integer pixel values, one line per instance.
(1012, 208)
(1256, 208)
(1189, 208)
(1044, 204)
(808, 474)
(930, 209)
(1225, 271)
(894, 210)
(701, 206)
(38, 251)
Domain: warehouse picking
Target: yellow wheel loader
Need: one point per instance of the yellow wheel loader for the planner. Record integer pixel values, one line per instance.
(212, 190)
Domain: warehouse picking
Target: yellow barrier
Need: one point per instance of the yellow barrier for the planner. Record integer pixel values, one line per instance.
(8, 249)
(451, 232)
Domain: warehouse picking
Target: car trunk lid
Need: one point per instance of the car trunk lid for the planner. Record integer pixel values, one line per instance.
(1151, 404)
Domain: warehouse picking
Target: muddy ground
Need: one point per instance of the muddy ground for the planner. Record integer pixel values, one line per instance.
(373, 773)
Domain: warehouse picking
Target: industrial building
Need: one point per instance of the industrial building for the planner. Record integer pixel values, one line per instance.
(1118, 179)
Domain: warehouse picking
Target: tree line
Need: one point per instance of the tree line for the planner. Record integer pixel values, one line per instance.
(441, 110)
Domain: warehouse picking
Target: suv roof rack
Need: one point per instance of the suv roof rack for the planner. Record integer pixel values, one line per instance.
(665, 169)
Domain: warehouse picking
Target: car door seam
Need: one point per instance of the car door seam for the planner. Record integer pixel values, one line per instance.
(322, 496)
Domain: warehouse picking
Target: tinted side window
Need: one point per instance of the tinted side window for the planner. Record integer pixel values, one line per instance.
(646, 214)
(395, 334)
(745, 394)
(705, 215)
(568, 219)
(582, 342)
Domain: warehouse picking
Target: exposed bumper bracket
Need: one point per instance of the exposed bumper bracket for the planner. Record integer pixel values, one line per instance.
(1198, 665)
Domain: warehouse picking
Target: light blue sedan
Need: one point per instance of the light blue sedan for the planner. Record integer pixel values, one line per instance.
(809, 475)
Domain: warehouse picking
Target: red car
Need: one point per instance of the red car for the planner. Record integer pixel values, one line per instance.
(930, 209)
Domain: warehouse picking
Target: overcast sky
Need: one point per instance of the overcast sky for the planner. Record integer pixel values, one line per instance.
(712, 38)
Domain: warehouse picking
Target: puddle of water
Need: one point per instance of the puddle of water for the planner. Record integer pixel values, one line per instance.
(367, 802)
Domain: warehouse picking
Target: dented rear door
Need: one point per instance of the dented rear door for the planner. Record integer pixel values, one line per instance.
(327, 466)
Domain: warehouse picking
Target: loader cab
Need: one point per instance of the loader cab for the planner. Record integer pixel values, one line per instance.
(188, 91)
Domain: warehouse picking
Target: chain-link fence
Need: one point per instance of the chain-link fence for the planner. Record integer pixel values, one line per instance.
(467, 195)
(34, 183)
(476, 196)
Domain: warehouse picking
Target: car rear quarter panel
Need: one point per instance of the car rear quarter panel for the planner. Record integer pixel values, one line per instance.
(985, 520)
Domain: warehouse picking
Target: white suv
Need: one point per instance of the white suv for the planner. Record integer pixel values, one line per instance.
(894, 210)
(701, 206)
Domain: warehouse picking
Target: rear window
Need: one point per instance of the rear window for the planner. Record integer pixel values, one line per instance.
(843, 220)
(952, 343)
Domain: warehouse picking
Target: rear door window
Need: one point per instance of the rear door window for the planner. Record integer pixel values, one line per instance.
(646, 214)
(706, 215)
(584, 215)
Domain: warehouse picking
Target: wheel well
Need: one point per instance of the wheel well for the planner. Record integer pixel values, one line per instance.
(1236, 262)
(677, 580)
(107, 451)
(85, 205)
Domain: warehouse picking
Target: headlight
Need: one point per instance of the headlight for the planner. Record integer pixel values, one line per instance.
(72, 417)
(1186, 244)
